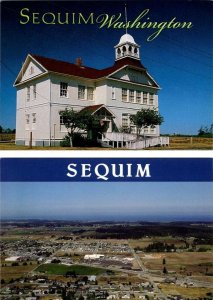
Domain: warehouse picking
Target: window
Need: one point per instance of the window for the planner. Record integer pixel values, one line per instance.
(28, 93)
(146, 130)
(63, 89)
(151, 99)
(90, 92)
(125, 121)
(145, 97)
(127, 125)
(113, 92)
(132, 126)
(62, 120)
(34, 91)
(133, 129)
(131, 95)
(138, 96)
(63, 124)
(31, 70)
(81, 92)
(27, 119)
(34, 118)
(124, 95)
(152, 129)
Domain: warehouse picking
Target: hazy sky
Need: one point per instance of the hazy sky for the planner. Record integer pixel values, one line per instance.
(108, 201)
(180, 60)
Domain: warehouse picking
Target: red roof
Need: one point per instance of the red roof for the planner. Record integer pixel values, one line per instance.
(92, 108)
(83, 71)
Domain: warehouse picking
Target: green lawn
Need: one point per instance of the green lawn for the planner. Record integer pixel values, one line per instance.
(58, 269)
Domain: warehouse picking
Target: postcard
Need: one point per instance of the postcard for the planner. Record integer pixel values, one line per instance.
(106, 75)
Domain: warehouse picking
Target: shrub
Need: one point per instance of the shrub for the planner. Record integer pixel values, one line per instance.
(78, 141)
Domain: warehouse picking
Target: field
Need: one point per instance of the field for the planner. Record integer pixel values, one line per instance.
(184, 263)
(190, 143)
(57, 269)
(7, 137)
(176, 143)
(143, 243)
(12, 272)
(186, 291)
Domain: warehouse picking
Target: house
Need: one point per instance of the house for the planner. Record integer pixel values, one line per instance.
(93, 256)
(13, 258)
(46, 86)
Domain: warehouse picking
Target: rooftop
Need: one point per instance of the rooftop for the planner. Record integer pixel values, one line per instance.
(127, 38)
(68, 68)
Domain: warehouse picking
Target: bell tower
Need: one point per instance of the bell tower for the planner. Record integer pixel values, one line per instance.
(127, 47)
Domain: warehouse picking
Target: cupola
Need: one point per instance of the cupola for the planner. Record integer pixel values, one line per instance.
(127, 47)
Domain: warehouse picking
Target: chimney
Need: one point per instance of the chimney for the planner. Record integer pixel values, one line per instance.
(78, 61)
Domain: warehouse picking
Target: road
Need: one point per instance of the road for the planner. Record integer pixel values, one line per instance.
(145, 273)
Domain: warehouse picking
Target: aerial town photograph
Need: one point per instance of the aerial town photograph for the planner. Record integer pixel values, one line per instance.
(106, 241)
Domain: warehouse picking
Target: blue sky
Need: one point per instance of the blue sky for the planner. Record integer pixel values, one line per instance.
(108, 201)
(180, 60)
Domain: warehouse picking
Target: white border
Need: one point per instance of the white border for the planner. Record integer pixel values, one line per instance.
(106, 153)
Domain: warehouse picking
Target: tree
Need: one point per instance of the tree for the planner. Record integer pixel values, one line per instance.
(64, 294)
(82, 120)
(206, 131)
(90, 123)
(7, 130)
(85, 279)
(164, 261)
(71, 274)
(71, 122)
(145, 118)
(70, 295)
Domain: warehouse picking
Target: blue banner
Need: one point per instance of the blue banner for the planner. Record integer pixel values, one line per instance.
(106, 169)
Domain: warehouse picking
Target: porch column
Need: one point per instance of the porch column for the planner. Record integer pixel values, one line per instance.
(110, 126)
